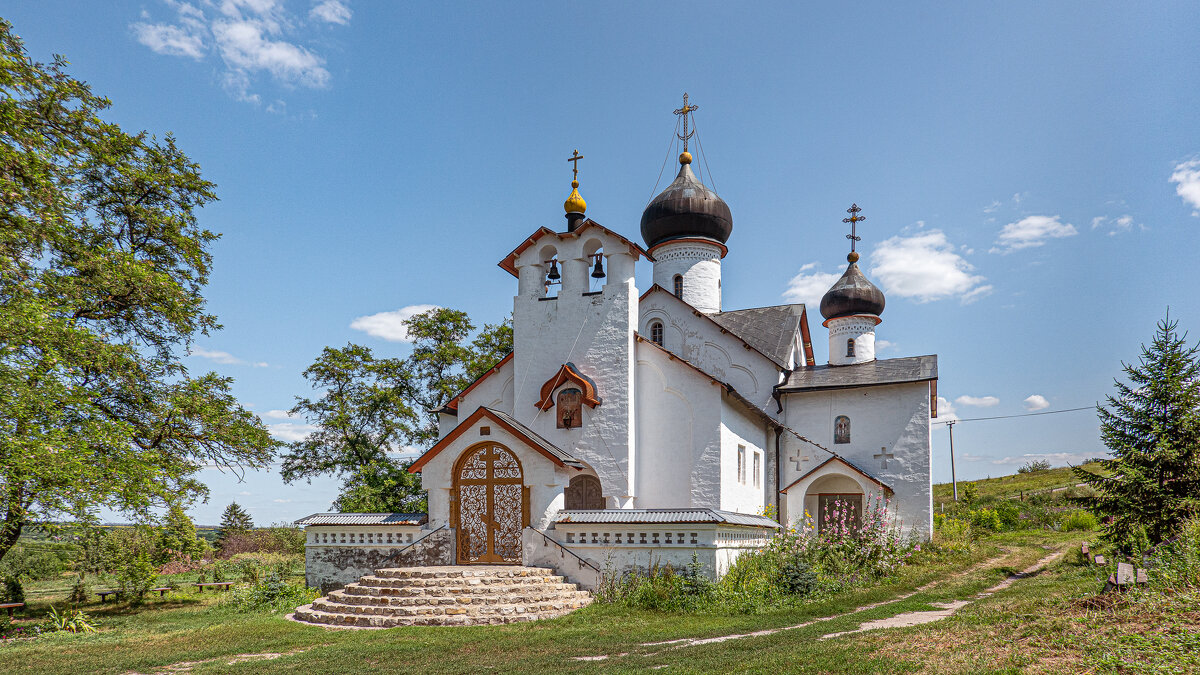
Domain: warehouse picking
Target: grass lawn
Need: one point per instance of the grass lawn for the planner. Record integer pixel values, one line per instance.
(1014, 485)
(1041, 623)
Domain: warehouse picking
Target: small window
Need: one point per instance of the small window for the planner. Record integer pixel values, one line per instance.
(841, 429)
(679, 286)
(570, 408)
(850, 347)
(757, 468)
(656, 333)
(742, 464)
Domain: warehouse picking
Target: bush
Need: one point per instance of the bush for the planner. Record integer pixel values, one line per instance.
(79, 592)
(1080, 520)
(272, 595)
(951, 534)
(37, 560)
(264, 540)
(1176, 565)
(13, 592)
(1035, 466)
(78, 622)
(986, 519)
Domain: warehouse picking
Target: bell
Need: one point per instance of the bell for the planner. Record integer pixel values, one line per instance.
(553, 275)
(598, 271)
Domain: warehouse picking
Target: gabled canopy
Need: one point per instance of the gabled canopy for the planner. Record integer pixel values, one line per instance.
(509, 263)
(568, 373)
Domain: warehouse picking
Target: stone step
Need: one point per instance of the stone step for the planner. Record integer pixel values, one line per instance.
(366, 586)
(347, 598)
(309, 615)
(374, 580)
(464, 572)
(505, 609)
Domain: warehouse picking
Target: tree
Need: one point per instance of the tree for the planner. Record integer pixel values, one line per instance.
(1152, 428)
(178, 536)
(371, 409)
(235, 520)
(102, 264)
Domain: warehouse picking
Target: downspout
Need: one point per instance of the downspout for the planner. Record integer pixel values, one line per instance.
(778, 477)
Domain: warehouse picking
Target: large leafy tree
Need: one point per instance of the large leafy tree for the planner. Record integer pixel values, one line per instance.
(372, 408)
(1152, 427)
(102, 263)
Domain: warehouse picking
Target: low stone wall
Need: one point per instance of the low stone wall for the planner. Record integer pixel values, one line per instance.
(620, 549)
(337, 555)
(544, 550)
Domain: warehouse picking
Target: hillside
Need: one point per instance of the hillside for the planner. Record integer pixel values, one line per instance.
(1014, 486)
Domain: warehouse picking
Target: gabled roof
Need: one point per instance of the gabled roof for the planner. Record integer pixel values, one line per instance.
(849, 465)
(364, 519)
(568, 373)
(666, 516)
(451, 407)
(782, 363)
(772, 330)
(506, 421)
(508, 264)
(886, 371)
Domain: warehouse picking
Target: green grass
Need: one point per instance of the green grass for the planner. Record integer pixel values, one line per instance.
(1006, 487)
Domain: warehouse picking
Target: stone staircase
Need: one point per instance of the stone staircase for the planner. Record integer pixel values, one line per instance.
(447, 596)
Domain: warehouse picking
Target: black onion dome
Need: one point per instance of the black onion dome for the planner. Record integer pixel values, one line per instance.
(852, 294)
(687, 208)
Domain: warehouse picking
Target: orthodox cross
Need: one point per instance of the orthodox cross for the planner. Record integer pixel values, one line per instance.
(853, 220)
(684, 112)
(884, 455)
(574, 159)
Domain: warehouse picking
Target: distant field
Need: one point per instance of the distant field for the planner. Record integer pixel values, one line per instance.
(1016, 484)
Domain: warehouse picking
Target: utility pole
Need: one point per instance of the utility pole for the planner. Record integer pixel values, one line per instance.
(953, 477)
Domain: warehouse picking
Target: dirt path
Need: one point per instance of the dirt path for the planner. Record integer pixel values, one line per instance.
(692, 642)
(189, 666)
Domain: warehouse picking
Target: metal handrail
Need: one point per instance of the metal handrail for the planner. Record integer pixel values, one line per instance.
(399, 553)
(582, 562)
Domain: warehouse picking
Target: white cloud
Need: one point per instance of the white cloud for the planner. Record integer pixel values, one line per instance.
(992, 208)
(881, 345)
(244, 493)
(1186, 177)
(1055, 458)
(977, 401)
(925, 267)
(389, 325)
(281, 415)
(331, 11)
(1032, 231)
(282, 501)
(290, 431)
(251, 37)
(1118, 225)
(945, 410)
(1036, 402)
(809, 285)
(224, 358)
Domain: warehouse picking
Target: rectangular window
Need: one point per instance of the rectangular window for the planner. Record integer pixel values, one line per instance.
(742, 464)
(757, 468)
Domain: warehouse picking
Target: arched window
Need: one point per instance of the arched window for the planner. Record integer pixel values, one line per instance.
(656, 332)
(570, 408)
(679, 286)
(850, 347)
(841, 429)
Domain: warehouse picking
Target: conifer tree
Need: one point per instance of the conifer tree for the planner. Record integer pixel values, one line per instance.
(178, 535)
(1152, 428)
(233, 521)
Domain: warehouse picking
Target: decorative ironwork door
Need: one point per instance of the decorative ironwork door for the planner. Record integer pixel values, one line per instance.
(490, 505)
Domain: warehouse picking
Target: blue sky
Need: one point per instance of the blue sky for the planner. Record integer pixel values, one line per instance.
(1030, 173)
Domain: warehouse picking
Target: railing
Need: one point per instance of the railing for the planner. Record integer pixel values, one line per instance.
(401, 552)
(563, 549)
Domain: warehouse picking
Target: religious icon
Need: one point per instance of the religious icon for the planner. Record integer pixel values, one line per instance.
(570, 404)
(841, 429)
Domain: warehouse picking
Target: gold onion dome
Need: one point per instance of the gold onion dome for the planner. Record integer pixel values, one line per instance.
(575, 203)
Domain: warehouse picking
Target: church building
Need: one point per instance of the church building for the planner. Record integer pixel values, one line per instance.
(634, 426)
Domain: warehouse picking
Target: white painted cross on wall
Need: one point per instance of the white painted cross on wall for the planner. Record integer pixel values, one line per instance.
(883, 455)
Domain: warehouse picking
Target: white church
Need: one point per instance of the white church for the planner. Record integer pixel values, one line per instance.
(635, 425)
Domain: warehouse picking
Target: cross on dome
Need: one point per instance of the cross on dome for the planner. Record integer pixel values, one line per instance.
(854, 219)
(574, 203)
(686, 157)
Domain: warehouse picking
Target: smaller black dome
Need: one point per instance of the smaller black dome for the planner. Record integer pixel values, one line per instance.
(852, 294)
(687, 208)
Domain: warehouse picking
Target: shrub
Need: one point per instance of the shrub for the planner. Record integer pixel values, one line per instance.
(951, 534)
(78, 622)
(136, 577)
(1079, 520)
(263, 540)
(1034, 466)
(272, 595)
(13, 592)
(1176, 565)
(986, 519)
(37, 560)
(79, 592)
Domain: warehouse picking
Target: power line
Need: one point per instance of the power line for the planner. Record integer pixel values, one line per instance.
(1004, 417)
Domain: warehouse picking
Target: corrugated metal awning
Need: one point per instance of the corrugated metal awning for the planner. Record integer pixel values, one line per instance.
(664, 516)
(364, 519)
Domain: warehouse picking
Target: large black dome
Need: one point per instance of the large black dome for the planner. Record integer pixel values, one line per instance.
(687, 208)
(852, 294)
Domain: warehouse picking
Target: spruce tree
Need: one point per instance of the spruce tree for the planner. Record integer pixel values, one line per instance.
(178, 535)
(233, 521)
(1152, 428)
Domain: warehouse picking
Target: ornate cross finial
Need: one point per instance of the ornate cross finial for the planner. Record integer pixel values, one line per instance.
(854, 219)
(684, 112)
(574, 159)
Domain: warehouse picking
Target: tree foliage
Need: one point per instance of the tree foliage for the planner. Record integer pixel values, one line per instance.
(102, 263)
(372, 408)
(178, 537)
(234, 520)
(1152, 427)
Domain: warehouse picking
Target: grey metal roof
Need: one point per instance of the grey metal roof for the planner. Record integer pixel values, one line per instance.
(887, 371)
(770, 330)
(664, 516)
(535, 438)
(364, 519)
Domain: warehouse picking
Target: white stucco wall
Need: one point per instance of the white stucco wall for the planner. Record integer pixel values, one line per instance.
(895, 417)
(740, 428)
(700, 266)
(861, 329)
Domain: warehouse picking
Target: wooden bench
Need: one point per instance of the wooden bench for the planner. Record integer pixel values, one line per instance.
(223, 584)
(162, 590)
(104, 595)
(10, 606)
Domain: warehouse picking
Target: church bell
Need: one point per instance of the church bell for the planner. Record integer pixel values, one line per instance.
(553, 275)
(598, 271)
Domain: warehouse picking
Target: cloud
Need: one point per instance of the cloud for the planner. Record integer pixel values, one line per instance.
(331, 11)
(1118, 225)
(244, 493)
(224, 358)
(1036, 402)
(290, 431)
(1055, 458)
(281, 415)
(1186, 177)
(977, 401)
(945, 410)
(1032, 231)
(250, 37)
(282, 501)
(389, 325)
(809, 285)
(925, 267)
(881, 345)
(992, 208)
